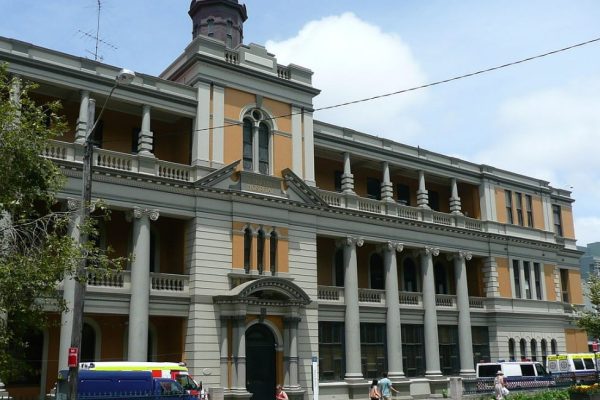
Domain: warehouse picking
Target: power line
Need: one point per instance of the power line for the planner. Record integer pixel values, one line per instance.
(436, 83)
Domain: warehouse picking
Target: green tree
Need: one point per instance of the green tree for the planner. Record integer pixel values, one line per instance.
(35, 251)
(590, 320)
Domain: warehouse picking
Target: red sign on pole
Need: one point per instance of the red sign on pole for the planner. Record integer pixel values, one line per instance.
(72, 359)
(595, 346)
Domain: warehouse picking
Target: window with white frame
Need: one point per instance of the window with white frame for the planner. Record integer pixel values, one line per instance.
(529, 208)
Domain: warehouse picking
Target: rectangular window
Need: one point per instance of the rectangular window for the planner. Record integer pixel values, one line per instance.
(413, 350)
(537, 277)
(529, 205)
(449, 354)
(564, 285)
(434, 200)
(373, 350)
(374, 188)
(331, 351)
(509, 213)
(519, 207)
(481, 344)
(527, 276)
(403, 194)
(517, 279)
(337, 180)
(557, 220)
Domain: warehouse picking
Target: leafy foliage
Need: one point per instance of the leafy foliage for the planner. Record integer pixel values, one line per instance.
(36, 252)
(539, 395)
(590, 320)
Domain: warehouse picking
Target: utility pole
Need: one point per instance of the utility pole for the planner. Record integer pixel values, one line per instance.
(80, 274)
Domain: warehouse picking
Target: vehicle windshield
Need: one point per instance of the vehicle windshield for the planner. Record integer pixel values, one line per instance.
(187, 382)
(170, 387)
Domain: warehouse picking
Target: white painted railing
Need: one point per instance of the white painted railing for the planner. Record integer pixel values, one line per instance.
(283, 72)
(332, 198)
(170, 170)
(114, 280)
(409, 212)
(476, 302)
(442, 219)
(445, 300)
(369, 205)
(330, 293)
(114, 160)
(411, 298)
(56, 150)
(371, 295)
(169, 282)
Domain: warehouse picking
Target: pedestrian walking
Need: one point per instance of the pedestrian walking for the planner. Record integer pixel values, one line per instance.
(385, 387)
(374, 393)
(500, 386)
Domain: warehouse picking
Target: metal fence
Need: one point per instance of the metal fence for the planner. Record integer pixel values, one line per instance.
(553, 381)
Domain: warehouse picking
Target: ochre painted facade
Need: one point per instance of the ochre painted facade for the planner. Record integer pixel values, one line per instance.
(500, 205)
(575, 287)
(503, 277)
(549, 280)
(567, 222)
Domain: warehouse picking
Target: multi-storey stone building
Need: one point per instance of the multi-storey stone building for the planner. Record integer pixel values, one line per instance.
(263, 239)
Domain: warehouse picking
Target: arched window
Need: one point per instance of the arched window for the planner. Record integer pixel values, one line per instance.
(523, 349)
(260, 250)
(409, 275)
(544, 346)
(257, 143)
(247, 145)
(553, 347)
(339, 268)
(441, 283)
(533, 350)
(273, 252)
(247, 248)
(511, 349)
(376, 271)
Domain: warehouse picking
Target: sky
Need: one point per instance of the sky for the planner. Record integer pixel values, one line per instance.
(540, 118)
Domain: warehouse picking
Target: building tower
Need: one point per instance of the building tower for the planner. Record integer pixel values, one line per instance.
(220, 19)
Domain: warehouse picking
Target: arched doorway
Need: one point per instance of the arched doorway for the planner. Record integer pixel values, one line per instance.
(260, 362)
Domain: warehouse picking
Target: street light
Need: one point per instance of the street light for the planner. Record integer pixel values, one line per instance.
(124, 77)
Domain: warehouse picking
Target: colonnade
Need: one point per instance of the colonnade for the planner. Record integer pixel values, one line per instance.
(140, 286)
(393, 325)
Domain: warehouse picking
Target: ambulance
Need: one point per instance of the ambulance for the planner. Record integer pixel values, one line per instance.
(578, 363)
(176, 371)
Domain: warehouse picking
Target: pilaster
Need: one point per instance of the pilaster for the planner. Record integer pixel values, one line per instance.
(490, 277)
(309, 148)
(201, 134)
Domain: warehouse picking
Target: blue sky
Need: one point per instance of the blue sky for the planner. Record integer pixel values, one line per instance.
(540, 119)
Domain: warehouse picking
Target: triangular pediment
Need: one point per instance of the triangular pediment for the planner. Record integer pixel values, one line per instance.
(299, 191)
(221, 178)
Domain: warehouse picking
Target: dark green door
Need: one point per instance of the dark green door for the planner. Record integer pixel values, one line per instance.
(260, 362)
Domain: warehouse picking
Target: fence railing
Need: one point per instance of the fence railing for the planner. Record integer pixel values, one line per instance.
(513, 384)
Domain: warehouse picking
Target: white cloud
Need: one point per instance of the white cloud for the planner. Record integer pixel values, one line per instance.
(554, 135)
(353, 59)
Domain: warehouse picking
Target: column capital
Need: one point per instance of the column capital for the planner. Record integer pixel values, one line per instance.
(391, 245)
(461, 254)
(353, 240)
(431, 251)
(138, 212)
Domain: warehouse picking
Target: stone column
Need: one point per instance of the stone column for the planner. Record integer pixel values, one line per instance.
(82, 120)
(201, 134)
(140, 284)
(224, 353)
(240, 356)
(465, 341)
(432, 350)
(146, 137)
(347, 177)
(352, 314)
(455, 204)
(218, 121)
(387, 188)
(393, 326)
(291, 361)
(422, 194)
(66, 318)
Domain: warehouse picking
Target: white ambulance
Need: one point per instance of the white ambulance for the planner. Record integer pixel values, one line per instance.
(580, 363)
